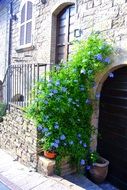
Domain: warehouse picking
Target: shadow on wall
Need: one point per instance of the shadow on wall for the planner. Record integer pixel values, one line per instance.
(1, 91)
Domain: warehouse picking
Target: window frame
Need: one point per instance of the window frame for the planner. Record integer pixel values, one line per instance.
(67, 32)
(32, 20)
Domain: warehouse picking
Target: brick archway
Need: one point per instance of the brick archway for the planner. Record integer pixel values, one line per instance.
(100, 79)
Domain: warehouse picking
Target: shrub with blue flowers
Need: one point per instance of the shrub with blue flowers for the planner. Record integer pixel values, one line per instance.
(62, 108)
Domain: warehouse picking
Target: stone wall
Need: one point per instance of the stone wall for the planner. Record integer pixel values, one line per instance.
(18, 136)
(106, 16)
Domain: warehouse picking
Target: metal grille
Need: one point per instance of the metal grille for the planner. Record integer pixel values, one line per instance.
(19, 81)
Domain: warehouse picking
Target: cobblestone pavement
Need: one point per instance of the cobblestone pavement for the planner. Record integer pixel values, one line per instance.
(18, 177)
(108, 186)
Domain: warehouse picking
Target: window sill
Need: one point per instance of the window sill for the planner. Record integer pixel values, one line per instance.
(25, 48)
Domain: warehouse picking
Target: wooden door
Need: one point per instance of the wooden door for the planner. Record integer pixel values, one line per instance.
(112, 141)
(65, 33)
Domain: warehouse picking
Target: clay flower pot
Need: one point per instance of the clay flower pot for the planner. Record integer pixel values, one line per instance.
(99, 171)
(50, 155)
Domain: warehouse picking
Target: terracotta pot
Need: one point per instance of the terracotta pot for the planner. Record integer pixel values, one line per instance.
(99, 171)
(49, 155)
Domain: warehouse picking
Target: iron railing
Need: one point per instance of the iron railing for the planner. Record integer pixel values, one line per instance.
(19, 81)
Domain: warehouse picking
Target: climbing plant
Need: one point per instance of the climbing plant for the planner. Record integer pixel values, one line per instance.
(62, 108)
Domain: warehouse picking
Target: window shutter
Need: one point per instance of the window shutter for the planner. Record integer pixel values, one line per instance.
(29, 10)
(23, 14)
(26, 24)
(28, 32)
(22, 32)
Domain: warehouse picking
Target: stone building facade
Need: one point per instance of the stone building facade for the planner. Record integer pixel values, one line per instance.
(39, 23)
(106, 16)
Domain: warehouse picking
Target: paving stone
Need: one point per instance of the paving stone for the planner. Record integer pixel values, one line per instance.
(3, 187)
(18, 177)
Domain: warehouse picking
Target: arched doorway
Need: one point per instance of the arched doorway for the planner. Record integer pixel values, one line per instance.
(112, 140)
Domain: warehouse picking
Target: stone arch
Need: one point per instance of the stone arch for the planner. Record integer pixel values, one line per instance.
(100, 79)
(57, 8)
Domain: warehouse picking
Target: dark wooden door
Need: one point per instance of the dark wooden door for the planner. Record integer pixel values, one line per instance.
(112, 140)
(65, 33)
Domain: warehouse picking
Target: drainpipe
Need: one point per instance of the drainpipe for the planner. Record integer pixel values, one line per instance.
(10, 33)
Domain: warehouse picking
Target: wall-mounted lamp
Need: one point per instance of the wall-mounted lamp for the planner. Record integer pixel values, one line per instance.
(44, 1)
(13, 17)
(77, 33)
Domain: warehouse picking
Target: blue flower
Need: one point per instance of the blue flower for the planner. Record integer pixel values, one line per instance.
(57, 83)
(54, 91)
(50, 80)
(71, 142)
(88, 101)
(40, 127)
(65, 144)
(51, 94)
(55, 145)
(69, 99)
(80, 142)
(45, 130)
(75, 81)
(57, 141)
(84, 145)
(49, 84)
(56, 126)
(62, 137)
(99, 57)
(83, 71)
(46, 102)
(88, 167)
(97, 96)
(64, 89)
(46, 117)
(48, 134)
(107, 60)
(82, 89)
(57, 67)
(90, 72)
(82, 162)
(111, 75)
(79, 135)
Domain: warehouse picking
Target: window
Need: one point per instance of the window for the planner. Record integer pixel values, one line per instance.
(26, 24)
(65, 33)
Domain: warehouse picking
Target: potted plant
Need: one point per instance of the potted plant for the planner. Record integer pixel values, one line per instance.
(98, 169)
(50, 154)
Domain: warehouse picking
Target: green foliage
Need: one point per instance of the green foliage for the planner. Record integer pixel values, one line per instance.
(62, 108)
(93, 158)
(2, 109)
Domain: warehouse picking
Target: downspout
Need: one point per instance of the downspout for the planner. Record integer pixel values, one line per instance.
(9, 53)
(10, 33)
